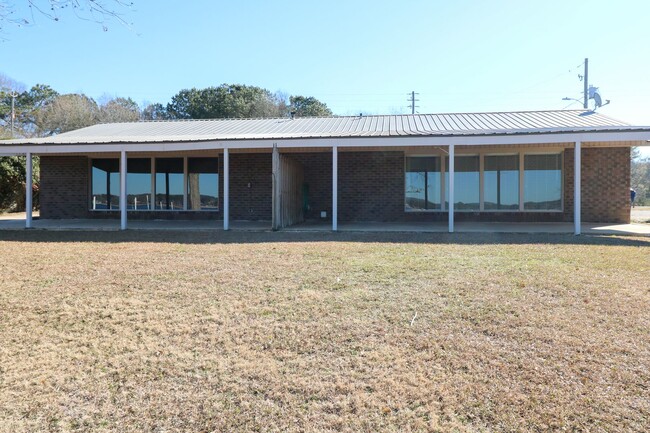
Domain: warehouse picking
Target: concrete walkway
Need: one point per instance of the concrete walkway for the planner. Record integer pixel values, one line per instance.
(17, 222)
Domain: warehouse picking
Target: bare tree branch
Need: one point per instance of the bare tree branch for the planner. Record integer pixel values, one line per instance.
(97, 11)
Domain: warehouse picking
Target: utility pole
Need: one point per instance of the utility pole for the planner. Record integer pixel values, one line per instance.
(412, 100)
(13, 111)
(586, 83)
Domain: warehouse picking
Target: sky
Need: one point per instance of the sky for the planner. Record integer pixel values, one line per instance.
(357, 56)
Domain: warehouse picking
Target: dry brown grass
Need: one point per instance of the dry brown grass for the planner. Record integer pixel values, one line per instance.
(306, 332)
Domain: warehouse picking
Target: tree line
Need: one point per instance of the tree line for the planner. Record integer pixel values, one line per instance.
(41, 111)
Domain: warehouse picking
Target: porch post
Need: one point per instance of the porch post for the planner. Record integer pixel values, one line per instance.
(576, 188)
(226, 189)
(335, 187)
(276, 189)
(28, 190)
(451, 188)
(123, 190)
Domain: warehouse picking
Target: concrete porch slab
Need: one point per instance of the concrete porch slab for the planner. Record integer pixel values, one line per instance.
(17, 222)
(478, 227)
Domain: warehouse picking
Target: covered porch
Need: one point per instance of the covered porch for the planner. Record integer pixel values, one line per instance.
(339, 174)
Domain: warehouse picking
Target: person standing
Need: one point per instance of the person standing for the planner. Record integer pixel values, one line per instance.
(632, 196)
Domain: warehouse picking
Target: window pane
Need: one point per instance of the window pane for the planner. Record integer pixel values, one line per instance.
(466, 183)
(169, 183)
(501, 182)
(543, 182)
(422, 182)
(105, 184)
(138, 184)
(203, 183)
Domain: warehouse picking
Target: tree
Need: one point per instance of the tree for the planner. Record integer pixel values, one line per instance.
(12, 183)
(155, 111)
(119, 110)
(99, 11)
(27, 105)
(66, 113)
(224, 101)
(303, 106)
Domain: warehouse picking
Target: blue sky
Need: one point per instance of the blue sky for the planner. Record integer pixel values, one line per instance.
(354, 55)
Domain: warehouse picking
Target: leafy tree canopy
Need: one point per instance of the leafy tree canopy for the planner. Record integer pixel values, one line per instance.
(27, 105)
(224, 101)
(308, 107)
(156, 111)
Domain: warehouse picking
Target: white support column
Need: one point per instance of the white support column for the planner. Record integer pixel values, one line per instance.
(28, 191)
(335, 188)
(123, 190)
(576, 188)
(226, 189)
(451, 188)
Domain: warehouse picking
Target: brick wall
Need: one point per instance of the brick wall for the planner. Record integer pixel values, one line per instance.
(64, 187)
(371, 186)
(605, 184)
(250, 186)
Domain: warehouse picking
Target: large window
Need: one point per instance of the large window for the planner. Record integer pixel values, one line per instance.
(466, 183)
(422, 180)
(105, 185)
(138, 184)
(156, 184)
(203, 183)
(543, 182)
(501, 182)
(169, 183)
(497, 182)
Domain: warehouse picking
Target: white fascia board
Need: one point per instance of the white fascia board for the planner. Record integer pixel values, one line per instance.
(410, 141)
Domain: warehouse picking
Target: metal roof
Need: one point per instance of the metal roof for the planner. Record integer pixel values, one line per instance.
(440, 125)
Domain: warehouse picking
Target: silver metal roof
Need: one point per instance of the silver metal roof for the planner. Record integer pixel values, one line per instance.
(452, 124)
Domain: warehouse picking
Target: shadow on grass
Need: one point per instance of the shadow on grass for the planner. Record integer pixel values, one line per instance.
(243, 237)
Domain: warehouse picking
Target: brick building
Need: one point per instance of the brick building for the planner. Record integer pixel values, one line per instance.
(518, 166)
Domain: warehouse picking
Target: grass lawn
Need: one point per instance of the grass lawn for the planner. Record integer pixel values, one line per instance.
(239, 332)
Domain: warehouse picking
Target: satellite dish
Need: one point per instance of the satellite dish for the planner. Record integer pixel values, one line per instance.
(594, 94)
(598, 100)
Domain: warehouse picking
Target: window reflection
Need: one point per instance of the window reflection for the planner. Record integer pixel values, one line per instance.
(422, 181)
(169, 183)
(543, 182)
(203, 183)
(466, 182)
(138, 184)
(501, 182)
(105, 184)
